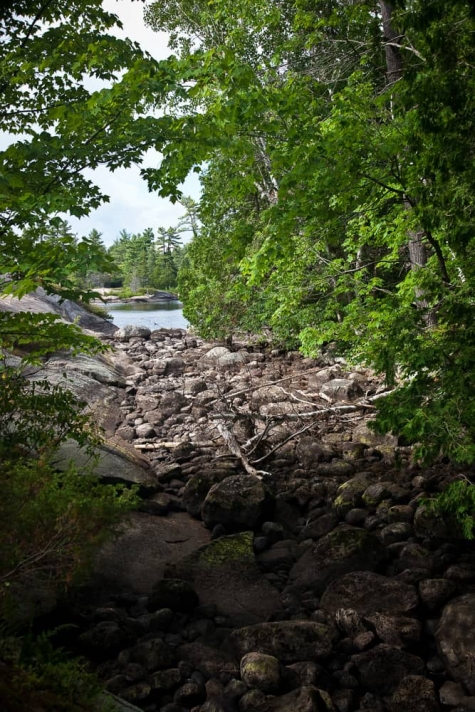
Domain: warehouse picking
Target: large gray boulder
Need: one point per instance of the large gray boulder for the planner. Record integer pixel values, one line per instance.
(132, 331)
(111, 463)
(343, 550)
(39, 302)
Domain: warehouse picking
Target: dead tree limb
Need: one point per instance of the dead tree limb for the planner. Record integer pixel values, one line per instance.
(233, 445)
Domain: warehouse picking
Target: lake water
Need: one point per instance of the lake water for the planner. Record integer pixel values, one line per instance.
(155, 315)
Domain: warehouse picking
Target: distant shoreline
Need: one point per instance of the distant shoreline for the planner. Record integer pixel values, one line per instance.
(157, 296)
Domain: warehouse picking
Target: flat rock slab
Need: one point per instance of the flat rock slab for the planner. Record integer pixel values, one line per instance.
(136, 559)
(113, 465)
(225, 573)
(289, 641)
(39, 302)
(368, 593)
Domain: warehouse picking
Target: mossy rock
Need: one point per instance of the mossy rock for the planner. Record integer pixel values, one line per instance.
(344, 550)
(261, 671)
(225, 573)
(229, 551)
(238, 502)
(349, 495)
(198, 487)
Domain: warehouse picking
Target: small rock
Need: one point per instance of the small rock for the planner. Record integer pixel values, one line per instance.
(173, 593)
(145, 431)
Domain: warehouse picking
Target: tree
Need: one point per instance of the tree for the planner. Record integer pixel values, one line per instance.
(71, 97)
(189, 222)
(168, 239)
(337, 189)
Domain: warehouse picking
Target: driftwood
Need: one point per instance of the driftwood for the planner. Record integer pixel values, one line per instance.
(270, 383)
(236, 450)
(335, 410)
(172, 445)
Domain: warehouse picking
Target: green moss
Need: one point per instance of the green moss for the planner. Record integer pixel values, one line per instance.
(226, 550)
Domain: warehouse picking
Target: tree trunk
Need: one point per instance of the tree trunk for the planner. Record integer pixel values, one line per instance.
(392, 42)
(394, 68)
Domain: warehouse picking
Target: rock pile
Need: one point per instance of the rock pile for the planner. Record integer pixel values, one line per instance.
(283, 559)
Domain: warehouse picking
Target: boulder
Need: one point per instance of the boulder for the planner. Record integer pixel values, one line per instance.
(39, 302)
(238, 502)
(110, 463)
(288, 641)
(435, 592)
(215, 353)
(343, 550)
(232, 360)
(381, 669)
(197, 488)
(341, 389)
(415, 694)
(261, 671)
(397, 631)
(136, 559)
(225, 573)
(455, 640)
(349, 494)
(132, 331)
(368, 593)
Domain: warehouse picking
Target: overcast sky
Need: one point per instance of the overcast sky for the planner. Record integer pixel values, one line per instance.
(131, 206)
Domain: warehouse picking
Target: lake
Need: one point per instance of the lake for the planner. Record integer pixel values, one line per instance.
(155, 315)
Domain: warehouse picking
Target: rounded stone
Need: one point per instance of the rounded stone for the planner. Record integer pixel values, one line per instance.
(261, 671)
(132, 331)
(238, 502)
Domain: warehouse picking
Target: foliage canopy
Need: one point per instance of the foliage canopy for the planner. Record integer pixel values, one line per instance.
(336, 143)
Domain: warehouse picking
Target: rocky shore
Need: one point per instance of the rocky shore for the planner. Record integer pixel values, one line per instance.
(282, 559)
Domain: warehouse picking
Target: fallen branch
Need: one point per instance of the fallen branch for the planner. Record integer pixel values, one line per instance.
(271, 383)
(335, 410)
(165, 445)
(277, 447)
(235, 448)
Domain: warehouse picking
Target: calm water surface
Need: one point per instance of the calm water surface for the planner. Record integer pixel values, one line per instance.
(155, 315)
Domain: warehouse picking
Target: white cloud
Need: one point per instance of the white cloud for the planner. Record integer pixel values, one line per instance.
(131, 206)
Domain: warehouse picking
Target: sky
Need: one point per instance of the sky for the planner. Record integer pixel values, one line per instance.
(131, 206)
